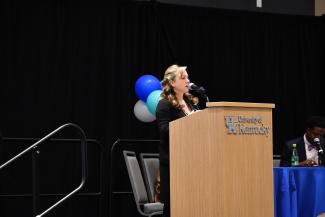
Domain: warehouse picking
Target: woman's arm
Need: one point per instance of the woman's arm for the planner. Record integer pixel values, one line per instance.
(163, 115)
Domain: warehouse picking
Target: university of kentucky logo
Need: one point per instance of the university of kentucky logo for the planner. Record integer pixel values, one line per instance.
(242, 125)
(230, 124)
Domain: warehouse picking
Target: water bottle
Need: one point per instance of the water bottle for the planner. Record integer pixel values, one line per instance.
(294, 157)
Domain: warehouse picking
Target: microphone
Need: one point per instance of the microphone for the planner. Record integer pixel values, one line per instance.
(319, 147)
(197, 88)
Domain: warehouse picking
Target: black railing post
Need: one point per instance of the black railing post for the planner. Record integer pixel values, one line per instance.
(36, 180)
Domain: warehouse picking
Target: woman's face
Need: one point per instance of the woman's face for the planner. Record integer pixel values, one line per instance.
(181, 82)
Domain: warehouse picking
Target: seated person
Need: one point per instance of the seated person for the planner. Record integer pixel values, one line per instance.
(305, 145)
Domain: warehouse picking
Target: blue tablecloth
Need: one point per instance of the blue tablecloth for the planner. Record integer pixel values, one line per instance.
(299, 192)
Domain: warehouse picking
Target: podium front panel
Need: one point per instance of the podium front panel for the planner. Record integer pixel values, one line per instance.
(221, 162)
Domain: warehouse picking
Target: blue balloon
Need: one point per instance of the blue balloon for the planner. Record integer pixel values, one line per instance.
(145, 85)
(152, 101)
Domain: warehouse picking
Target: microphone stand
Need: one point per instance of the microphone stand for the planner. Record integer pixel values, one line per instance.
(201, 91)
(206, 97)
(320, 152)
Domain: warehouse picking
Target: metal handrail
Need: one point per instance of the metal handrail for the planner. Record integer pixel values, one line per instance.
(83, 161)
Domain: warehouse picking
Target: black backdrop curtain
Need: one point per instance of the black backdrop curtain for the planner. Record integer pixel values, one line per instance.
(63, 63)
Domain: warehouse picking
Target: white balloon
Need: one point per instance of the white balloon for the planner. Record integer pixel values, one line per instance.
(142, 113)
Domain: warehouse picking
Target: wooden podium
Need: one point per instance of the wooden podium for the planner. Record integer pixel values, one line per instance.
(221, 161)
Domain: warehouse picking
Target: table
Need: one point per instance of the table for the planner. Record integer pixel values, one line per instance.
(299, 191)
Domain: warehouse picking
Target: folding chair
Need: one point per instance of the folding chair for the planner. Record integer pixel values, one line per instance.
(143, 205)
(150, 168)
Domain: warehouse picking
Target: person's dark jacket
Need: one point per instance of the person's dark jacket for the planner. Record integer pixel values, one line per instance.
(166, 113)
(287, 151)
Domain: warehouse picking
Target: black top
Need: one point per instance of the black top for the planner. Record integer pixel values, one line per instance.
(166, 113)
(287, 151)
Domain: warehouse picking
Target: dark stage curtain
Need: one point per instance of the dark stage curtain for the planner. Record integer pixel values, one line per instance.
(66, 63)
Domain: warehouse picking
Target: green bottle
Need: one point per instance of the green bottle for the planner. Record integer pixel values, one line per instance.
(294, 157)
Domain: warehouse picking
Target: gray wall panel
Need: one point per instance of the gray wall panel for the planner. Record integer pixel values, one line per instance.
(298, 7)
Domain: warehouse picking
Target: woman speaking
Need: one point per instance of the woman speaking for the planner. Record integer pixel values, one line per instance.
(176, 102)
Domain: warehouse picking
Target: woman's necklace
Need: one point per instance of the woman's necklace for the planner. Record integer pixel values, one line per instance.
(185, 108)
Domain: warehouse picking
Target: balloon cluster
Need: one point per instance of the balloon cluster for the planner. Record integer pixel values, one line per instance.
(148, 90)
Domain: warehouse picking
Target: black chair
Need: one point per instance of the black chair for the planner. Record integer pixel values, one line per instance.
(143, 205)
(150, 168)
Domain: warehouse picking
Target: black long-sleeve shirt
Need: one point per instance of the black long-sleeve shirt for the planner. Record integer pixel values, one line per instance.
(166, 113)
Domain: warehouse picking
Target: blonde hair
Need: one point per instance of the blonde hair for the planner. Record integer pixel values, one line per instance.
(168, 90)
